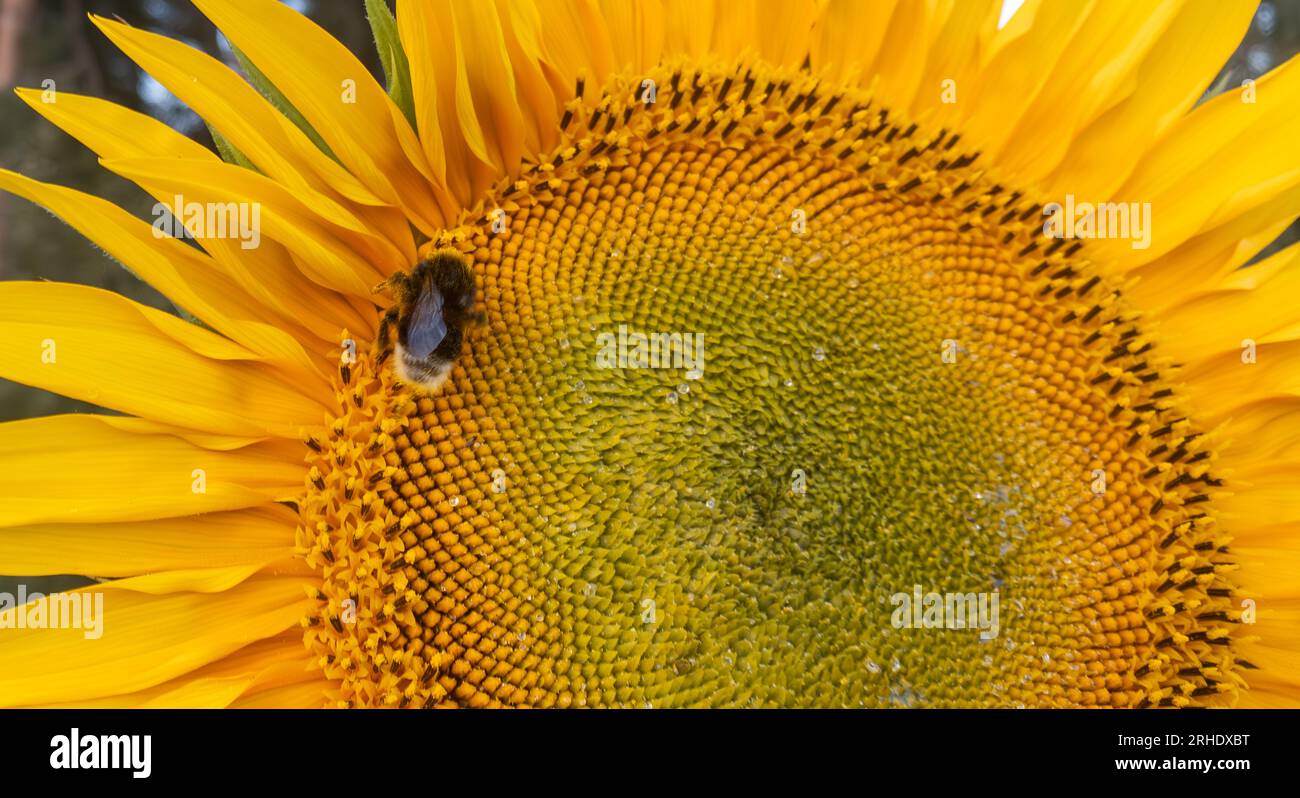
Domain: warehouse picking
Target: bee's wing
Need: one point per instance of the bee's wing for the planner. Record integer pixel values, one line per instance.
(427, 326)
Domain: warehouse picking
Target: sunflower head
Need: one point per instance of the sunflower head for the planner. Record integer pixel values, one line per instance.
(723, 354)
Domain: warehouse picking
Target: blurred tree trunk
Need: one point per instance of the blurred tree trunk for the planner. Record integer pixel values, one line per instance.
(15, 19)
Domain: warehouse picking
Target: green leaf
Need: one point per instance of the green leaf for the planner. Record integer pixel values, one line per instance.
(397, 69)
(264, 85)
(227, 150)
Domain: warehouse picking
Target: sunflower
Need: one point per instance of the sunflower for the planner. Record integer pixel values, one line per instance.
(888, 370)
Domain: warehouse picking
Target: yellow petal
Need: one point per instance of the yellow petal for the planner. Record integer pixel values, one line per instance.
(82, 469)
(266, 272)
(299, 696)
(145, 640)
(269, 140)
(249, 537)
(688, 28)
(847, 36)
(182, 273)
(538, 103)
(488, 101)
(449, 130)
(339, 98)
(1268, 572)
(112, 130)
(269, 664)
(1267, 430)
(1219, 382)
(1172, 77)
(1092, 75)
(952, 65)
(282, 216)
(901, 61)
(100, 347)
(576, 41)
(1017, 64)
(1250, 304)
(785, 32)
(636, 30)
(274, 144)
(192, 580)
(1271, 648)
(1222, 160)
(735, 29)
(1264, 495)
(1203, 261)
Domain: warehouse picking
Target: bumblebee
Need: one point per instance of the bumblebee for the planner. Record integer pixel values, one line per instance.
(433, 308)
